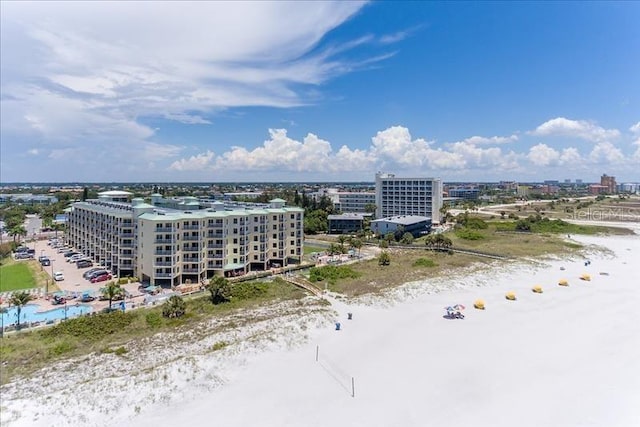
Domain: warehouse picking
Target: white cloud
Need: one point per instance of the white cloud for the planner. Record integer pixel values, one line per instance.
(544, 155)
(194, 163)
(575, 128)
(635, 128)
(93, 82)
(494, 140)
(607, 153)
(33, 152)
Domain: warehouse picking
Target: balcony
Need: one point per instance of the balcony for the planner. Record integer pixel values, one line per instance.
(162, 264)
(161, 275)
(163, 241)
(192, 238)
(191, 270)
(165, 229)
(163, 252)
(190, 249)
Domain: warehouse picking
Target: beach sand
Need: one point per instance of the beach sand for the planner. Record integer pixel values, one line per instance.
(567, 357)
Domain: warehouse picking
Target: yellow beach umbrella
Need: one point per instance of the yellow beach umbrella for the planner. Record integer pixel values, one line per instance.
(537, 289)
(585, 277)
(479, 304)
(511, 296)
(563, 282)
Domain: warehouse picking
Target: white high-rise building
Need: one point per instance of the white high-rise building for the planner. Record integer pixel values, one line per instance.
(408, 196)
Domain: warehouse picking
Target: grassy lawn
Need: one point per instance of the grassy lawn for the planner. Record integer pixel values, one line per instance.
(15, 276)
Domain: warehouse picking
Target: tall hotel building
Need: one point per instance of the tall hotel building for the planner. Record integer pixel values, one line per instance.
(408, 196)
(191, 240)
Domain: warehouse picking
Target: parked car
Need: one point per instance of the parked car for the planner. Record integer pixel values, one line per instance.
(84, 263)
(45, 262)
(58, 276)
(23, 255)
(97, 273)
(89, 272)
(101, 278)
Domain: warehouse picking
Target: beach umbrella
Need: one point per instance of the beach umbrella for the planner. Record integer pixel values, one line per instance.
(537, 289)
(585, 277)
(479, 304)
(563, 282)
(511, 296)
(458, 307)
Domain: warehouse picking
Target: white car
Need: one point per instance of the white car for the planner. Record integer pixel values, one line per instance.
(58, 276)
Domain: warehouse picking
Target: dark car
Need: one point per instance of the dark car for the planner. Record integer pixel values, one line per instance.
(45, 262)
(101, 278)
(87, 274)
(97, 273)
(84, 263)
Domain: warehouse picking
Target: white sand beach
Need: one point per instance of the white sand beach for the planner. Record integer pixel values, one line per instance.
(567, 357)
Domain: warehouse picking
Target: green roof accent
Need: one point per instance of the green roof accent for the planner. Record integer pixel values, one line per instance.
(232, 266)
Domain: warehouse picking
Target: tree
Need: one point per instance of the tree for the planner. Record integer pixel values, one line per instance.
(438, 242)
(17, 231)
(384, 258)
(19, 300)
(342, 238)
(220, 290)
(112, 291)
(174, 307)
(502, 214)
(356, 244)
(85, 194)
(406, 239)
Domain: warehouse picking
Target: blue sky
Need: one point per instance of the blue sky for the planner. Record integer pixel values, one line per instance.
(319, 91)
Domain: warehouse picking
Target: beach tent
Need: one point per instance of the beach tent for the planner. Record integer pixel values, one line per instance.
(585, 277)
(537, 289)
(563, 282)
(479, 304)
(511, 296)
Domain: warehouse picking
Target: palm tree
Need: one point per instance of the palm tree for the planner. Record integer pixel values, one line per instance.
(19, 300)
(356, 244)
(17, 231)
(220, 289)
(174, 307)
(112, 291)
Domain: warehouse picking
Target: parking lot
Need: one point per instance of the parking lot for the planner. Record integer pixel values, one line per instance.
(73, 280)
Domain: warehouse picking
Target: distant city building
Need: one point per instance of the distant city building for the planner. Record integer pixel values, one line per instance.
(347, 201)
(610, 183)
(466, 193)
(567, 181)
(415, 224)
(408, 196)
(346, 222)
(579, 181)
(551, 182)
(166, 246)
(523, 190)
(598, 189)
(28, 199)
(630, 187)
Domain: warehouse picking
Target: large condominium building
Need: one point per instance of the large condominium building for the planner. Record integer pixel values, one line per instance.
(348, 201)
(408, 196)
(165, 246)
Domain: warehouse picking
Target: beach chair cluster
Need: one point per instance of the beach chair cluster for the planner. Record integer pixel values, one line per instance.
(34, 292)
(479, 304)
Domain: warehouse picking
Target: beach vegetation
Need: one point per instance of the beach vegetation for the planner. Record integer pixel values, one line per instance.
(331, 273)
(424, 262)
(220, 290)
(112, 291)
(174, 307)
(469, 234)
(384, 259)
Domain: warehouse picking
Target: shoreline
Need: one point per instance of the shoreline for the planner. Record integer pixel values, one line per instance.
(250, 366)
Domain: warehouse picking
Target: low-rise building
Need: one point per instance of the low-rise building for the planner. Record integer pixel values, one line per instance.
(414, 224)
(347, 222)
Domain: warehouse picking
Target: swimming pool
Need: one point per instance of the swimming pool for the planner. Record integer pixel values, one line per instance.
(30, 313)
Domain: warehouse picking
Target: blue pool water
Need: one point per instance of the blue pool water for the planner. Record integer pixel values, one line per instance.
(30, 313)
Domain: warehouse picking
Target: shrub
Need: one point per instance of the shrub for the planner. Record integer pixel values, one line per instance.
(153, 319)
(469, 234)
(332, 273)
(92, 328)
(219, 345)
(61, 348)
(424, 262)
(247, 290)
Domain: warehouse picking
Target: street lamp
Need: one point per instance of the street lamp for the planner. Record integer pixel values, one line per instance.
(65, 309)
